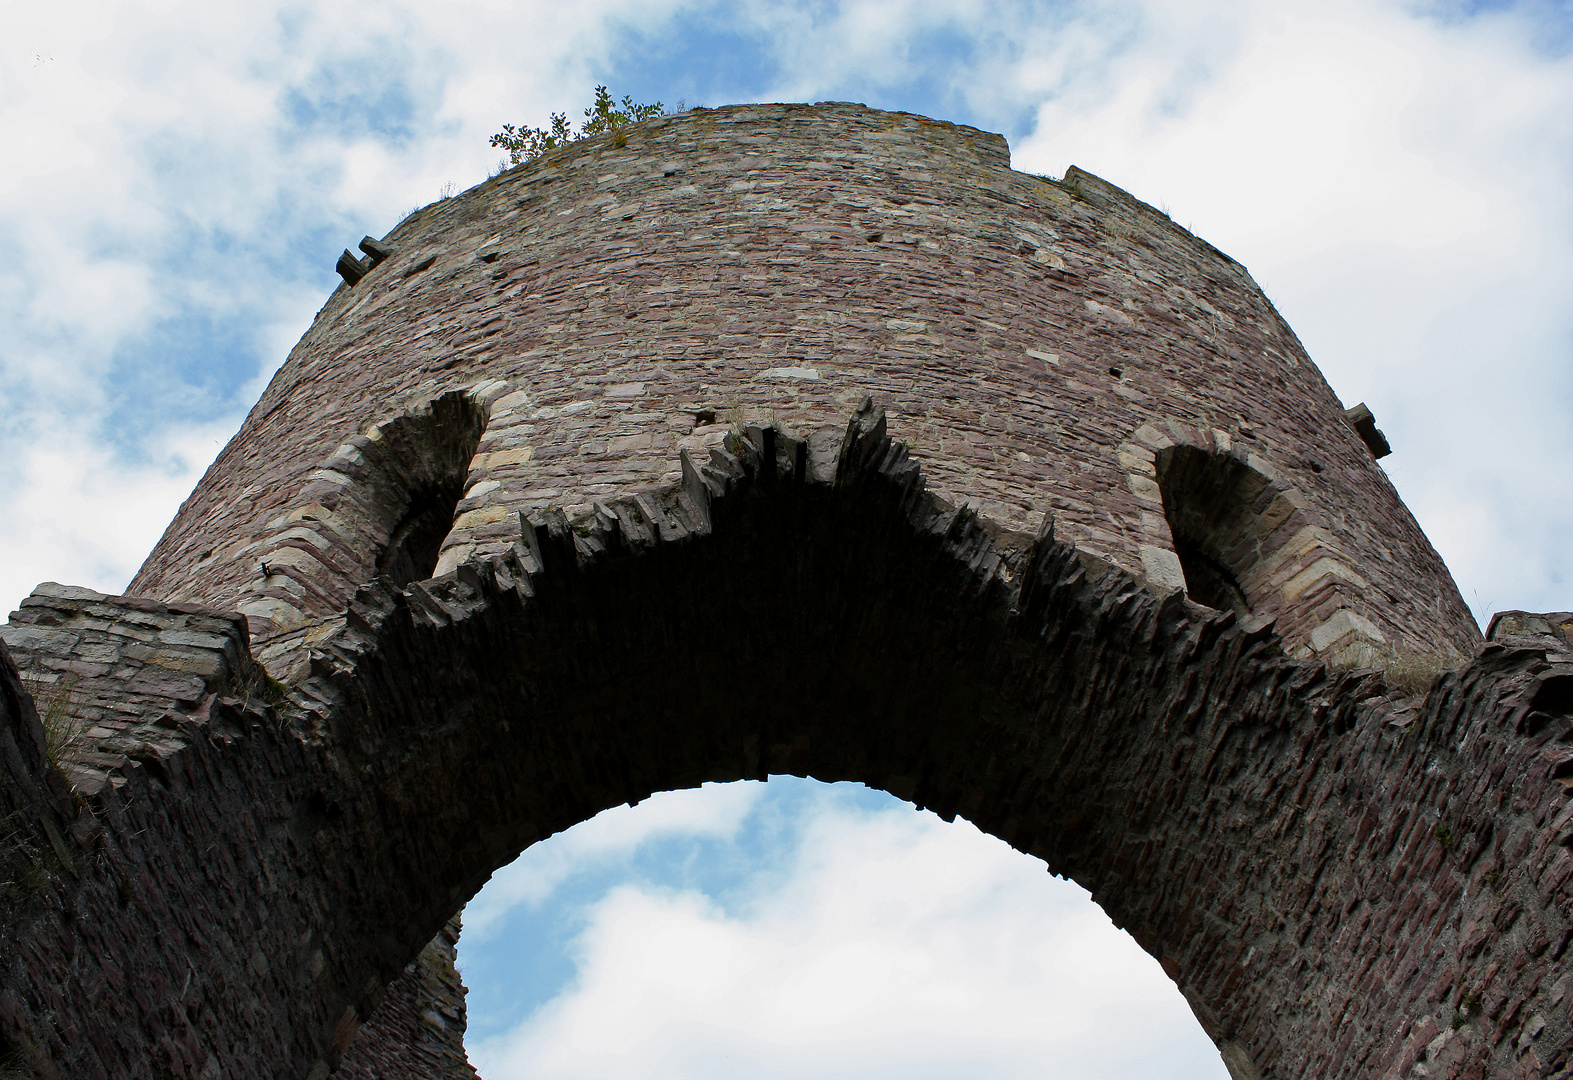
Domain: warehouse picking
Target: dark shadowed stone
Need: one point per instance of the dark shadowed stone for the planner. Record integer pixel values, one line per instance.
(1338, 820)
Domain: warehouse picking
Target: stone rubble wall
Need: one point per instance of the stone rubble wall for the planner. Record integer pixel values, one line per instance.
(1037, 344)
(128, 680)
(155, 921)
(1345, 879)
(123, 674)
(144, 928)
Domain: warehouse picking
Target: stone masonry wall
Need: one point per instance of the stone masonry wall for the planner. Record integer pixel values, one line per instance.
(123, 680)
(1345, 878)
(559, 505)
(1038, 345)
(121, 676)
(161, 898)
(417, 1033)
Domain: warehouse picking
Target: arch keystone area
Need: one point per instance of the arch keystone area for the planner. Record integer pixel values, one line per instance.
(234, 847)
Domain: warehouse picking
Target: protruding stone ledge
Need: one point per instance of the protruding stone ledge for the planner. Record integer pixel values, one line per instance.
(1364, 423)
(115, 677)
(1551, 630)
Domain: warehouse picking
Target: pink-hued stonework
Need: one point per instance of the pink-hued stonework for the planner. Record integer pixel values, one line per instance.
(766, 440)
(1036, 344)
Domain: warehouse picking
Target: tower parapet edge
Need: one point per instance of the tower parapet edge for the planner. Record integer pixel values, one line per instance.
(558, 335)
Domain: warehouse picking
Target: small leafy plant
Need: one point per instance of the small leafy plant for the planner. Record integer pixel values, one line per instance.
(527, 143)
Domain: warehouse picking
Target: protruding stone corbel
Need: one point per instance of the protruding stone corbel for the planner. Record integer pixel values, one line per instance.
(350, 268)
(1364, 423)
(375, 250)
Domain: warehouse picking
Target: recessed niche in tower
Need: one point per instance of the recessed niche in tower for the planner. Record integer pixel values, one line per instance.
(411, 554)
(1211, 502)
(414, 480)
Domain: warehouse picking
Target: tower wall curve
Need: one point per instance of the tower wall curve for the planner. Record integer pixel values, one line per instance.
(1043, 348)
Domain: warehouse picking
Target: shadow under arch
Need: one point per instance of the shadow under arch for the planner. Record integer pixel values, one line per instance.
(807, 609)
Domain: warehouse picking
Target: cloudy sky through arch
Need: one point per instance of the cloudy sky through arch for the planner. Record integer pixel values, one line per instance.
(795, 929)
(179, 177)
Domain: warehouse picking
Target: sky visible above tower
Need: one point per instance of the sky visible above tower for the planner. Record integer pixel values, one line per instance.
(180, 178)
(183, 176)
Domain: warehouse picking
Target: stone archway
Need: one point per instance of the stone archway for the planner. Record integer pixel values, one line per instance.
(1331, 872)
(1349, 873)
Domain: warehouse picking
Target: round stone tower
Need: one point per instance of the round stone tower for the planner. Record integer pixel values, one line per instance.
(787, 439)
(559, 334)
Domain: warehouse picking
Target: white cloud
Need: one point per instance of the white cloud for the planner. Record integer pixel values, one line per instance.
(891, 944)
(1403, 189)
(715, 810)
(78, 515)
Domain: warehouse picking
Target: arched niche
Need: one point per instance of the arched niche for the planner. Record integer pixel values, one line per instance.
(1223, 523)
(380, 506)
(397, 485)
(1218, 509)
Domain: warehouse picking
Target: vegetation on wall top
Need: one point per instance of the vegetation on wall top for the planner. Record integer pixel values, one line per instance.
(526, 143)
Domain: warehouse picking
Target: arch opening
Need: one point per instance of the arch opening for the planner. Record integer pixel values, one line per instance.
(847, 629)
(806, 929)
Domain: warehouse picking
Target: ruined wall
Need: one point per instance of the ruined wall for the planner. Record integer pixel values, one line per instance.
(1041, 348)
(482, 523)
(157, 920)
(1345, 879)
(149, 918)
(418, 1031)
(117, 677)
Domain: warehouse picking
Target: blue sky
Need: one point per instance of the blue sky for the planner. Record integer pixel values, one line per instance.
(797, 929)
(179, 178)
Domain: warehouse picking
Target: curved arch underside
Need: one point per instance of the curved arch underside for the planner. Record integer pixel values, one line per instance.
(1304, 853)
